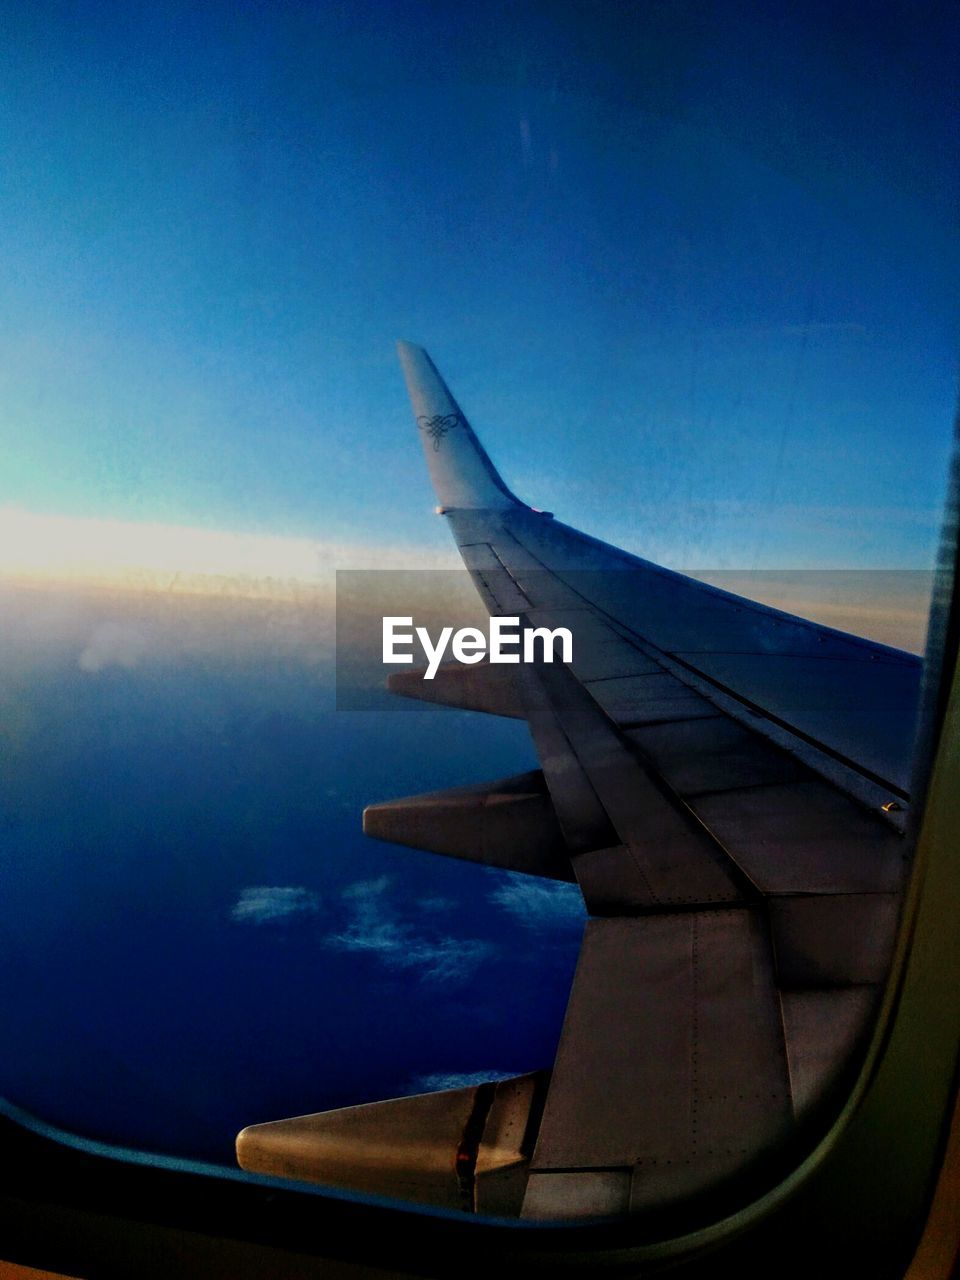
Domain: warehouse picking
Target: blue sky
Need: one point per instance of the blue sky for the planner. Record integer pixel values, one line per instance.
(691, 269)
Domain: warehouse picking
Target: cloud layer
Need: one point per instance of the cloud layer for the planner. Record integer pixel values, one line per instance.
(537, 903)
(268, 904)
(376, 926)
(114, 644)
(438, 1080)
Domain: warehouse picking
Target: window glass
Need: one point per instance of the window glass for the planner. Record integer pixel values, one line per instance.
(692, 273)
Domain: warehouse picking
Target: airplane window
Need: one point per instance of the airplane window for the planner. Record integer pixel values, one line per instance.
(688, 277)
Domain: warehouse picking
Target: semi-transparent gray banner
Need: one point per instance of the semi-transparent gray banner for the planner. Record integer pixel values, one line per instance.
(426, 623)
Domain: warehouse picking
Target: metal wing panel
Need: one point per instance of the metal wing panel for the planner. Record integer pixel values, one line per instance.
(671, 1065)
(828, 699)
(823, 1030)
(721, 755)
(804, 837)
(833, 940)
(854, 696)
(660, 854)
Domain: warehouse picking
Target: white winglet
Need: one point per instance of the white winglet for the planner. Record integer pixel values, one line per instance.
(462, 474)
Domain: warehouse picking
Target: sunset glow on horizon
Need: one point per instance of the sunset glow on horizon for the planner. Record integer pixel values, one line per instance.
(183, 558)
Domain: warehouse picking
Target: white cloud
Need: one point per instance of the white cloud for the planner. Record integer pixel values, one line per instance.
(436, 904)
(376, 926)
(538, 903)
(266, 904)
(365, 888)
(114, 644)
(445, 959)
(438, 1080)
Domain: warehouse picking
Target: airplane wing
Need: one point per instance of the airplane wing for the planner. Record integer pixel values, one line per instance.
(728, 786)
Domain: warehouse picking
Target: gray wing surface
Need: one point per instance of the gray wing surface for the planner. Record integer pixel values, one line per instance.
(727, 784)
(854, 699)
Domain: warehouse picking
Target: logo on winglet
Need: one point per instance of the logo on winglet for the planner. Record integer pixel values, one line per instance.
(438, 426)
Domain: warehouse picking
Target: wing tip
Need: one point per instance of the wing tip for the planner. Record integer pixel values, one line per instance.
(415, 362)
(462, 473)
